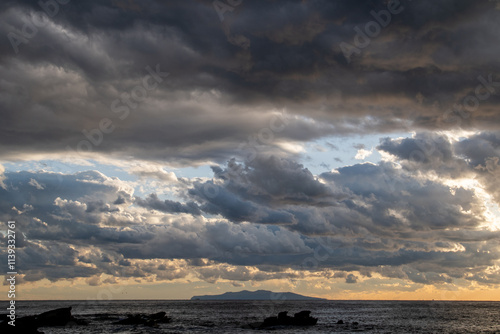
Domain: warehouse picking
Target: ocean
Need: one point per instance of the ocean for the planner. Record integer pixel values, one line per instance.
(229, 316)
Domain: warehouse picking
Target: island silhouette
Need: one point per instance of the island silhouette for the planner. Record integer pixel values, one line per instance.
(256, 295)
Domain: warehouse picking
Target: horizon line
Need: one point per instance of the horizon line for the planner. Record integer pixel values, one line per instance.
(226, 300)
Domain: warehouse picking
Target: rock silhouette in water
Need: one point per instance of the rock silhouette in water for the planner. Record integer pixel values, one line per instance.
(301, 318)
(24, 325)
(53, 318)
(58, 317)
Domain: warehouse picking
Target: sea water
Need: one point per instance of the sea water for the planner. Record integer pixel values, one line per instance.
(230, 316)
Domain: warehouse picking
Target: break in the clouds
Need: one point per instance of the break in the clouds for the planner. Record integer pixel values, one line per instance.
(114, 111)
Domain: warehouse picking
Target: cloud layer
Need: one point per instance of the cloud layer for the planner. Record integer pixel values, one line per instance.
(177, 84)
(394, 219)
(108, 61)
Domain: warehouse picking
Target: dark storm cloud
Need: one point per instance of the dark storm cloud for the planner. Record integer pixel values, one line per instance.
(261, 190)
(425, 148)
(153, 202)
(271, 179)
(236, 208)
(480, 147)
(226, 77)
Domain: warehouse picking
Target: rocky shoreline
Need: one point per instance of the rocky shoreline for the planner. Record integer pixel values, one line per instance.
(62, 317)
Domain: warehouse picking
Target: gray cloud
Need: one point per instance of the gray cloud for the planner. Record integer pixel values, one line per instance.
(153, 202)
(351, 279)
(473, 157)
(362, 218)
(218, 91)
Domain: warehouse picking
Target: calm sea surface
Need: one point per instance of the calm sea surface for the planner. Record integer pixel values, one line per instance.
(230, 316)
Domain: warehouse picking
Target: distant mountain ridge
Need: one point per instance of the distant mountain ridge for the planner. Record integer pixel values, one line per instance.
(256, 295)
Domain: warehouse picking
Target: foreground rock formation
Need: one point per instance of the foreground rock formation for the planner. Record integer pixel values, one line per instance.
(62, 317)
(30, 324)
(301, 318)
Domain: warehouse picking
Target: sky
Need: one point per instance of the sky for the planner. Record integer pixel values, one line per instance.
(333, 148)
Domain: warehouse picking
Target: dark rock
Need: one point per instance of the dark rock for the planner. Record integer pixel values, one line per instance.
(340, 322)
(302, 314)
(283, 315)
(160, 317)
(270, 322)
(285, 319)
(57, 317)
(302, 318)
(24, 325)
(53, 318)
